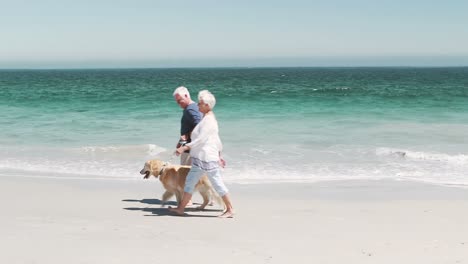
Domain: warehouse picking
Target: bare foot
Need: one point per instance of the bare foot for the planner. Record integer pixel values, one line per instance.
(227, 214)
(189, 203)
(176, 211)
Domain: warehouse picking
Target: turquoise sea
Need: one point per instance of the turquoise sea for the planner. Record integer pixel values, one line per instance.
(277, 124)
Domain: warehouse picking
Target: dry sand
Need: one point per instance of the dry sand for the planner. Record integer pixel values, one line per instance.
(95, 221)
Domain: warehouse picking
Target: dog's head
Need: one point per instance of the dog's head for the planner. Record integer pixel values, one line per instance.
(152, 167)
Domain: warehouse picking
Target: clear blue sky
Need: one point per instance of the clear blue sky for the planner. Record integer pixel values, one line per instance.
(153, 33)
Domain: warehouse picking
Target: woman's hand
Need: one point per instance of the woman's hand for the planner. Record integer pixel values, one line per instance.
(222, 162)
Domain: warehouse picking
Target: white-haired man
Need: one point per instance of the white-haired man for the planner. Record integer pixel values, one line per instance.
(191, 116)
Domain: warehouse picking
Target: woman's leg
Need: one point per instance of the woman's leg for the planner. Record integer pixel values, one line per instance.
(222, 190)
(229, 213)
(192, 179)
(181, 207)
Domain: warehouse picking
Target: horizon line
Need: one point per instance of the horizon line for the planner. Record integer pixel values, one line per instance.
(231, 67)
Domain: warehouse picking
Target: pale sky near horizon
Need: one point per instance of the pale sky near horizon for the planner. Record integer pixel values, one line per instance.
(145, 33)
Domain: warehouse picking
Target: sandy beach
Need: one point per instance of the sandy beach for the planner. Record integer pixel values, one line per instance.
(110, 221)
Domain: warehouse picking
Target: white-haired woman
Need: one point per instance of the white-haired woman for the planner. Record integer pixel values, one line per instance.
(205, 150)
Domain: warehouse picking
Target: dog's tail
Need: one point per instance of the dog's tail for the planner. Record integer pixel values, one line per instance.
(217, 199)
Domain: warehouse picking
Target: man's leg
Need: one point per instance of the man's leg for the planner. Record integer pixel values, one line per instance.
(185, 159)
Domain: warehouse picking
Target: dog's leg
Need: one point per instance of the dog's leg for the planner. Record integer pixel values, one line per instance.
(206, 199)
(166, 197)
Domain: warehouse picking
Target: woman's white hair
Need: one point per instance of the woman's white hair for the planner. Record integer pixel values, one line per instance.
(207, 98)
(182, 91)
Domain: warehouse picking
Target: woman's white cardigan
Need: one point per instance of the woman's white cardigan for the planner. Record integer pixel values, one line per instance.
(206, 144)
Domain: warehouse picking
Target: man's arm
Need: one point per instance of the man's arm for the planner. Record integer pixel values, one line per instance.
(195, 116)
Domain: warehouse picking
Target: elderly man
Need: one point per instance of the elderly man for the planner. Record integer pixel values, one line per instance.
(190, 118)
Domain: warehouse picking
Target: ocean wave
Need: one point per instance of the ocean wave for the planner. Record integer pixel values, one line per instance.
(150, 149)
(257, 166)
(458, 159)
(111, 161)
(236, 173)
(38, 167)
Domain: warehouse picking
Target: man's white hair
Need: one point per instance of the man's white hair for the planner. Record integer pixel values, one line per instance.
(182, 91)
(207, 97)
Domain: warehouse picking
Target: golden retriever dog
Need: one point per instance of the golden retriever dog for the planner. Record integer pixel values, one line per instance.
(173, 177)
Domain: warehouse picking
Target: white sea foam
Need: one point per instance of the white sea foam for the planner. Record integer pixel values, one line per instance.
(150, 149)
(457, 159)
(39, 167)
(253, 164)
(91, 161)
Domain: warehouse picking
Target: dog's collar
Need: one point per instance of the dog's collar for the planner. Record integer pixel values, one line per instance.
(162, 169)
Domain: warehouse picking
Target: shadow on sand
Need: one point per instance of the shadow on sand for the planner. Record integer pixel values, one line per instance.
(162, 211)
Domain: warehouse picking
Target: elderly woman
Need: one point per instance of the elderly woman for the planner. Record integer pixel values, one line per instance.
(205, 150)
